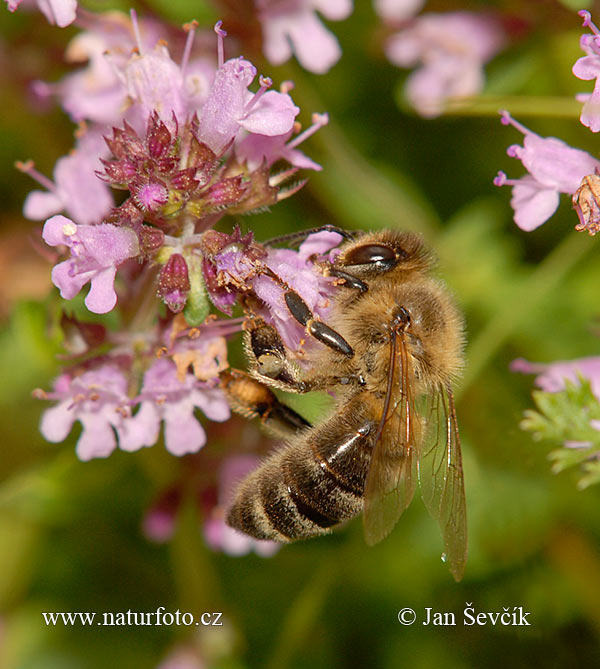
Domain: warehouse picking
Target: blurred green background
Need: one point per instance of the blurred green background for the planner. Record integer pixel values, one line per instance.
(70, 537)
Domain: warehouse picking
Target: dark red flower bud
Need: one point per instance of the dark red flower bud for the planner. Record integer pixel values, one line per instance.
(174, 282)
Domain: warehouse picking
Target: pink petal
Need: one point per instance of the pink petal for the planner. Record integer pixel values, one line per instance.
(316, 48)
(398, 10)
(41, 204)
(102, 296)
(533, 206)
(334, 10)
(68, 284)
(140, 430)
(587, 67)
(555, 164)
(590, 113)
(183, 433)
(274, 114)
(53, 232)
(59, 12)
(97, 439)
(213, 404)
(56, 422)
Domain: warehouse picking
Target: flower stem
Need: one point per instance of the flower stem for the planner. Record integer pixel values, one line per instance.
(519, 105)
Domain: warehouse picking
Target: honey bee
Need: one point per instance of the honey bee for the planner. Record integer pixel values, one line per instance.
(393, 347)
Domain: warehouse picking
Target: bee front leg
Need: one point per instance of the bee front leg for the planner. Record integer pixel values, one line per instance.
(317, 329)
(252, 399)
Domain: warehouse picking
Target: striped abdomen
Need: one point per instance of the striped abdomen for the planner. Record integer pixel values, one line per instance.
(315, 482)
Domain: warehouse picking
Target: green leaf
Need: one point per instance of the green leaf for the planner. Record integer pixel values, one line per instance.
(563, 418)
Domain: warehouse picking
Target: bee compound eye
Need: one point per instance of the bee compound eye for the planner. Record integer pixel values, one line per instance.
(371, 254)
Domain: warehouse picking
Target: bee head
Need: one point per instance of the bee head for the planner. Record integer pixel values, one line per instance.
(378, 253)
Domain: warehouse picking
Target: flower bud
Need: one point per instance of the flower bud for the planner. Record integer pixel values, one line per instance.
(174, 283)
(150, 239)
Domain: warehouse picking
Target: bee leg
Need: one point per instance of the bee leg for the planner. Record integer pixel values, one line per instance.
(252, 399)
(300, 311)
(317, 329)
(347, 280)
(268, 359)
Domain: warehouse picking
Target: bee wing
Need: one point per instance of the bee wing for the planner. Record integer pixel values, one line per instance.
(392, 476)
(441, 475)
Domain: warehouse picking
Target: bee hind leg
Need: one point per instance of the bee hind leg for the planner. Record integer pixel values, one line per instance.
(252, 399)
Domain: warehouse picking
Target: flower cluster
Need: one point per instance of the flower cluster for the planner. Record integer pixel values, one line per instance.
(449, 49)
(186, 142)
(554, 167)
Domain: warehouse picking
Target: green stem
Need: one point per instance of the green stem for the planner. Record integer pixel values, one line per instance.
(540, 283)
(518, 105)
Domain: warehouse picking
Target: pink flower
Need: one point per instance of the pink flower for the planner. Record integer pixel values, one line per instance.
(292, 25)
(96, 250)
(164, 397)
(554, 167)
(231, 107)
(587, 68)
(76, 189)
(220, 536)
(58, 12)
(98, 400)
(452, 49)
(552, 376)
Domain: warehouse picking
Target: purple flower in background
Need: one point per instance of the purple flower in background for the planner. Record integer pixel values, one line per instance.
(159, 521)
(76, 189)
(292, 25)
(98, 400)
(220, 536)
(164, 397)
(452, 49)
(553, 166)
(552, 376)
(587, 68)
(96, 250)
(58, 12)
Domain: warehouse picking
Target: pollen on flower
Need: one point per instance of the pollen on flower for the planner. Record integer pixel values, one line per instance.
(69, 229)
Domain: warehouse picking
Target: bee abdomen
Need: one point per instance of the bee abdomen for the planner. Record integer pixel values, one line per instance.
(267, 507)
(305, 488)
